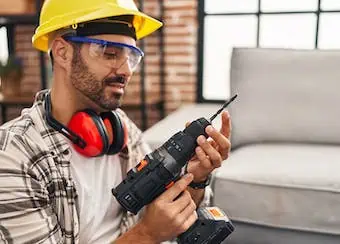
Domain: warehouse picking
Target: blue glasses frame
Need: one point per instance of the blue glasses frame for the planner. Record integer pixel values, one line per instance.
(102, 42)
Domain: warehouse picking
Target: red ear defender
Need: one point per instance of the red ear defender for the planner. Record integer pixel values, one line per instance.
(113, 123)
(90, 127)
(92, 134)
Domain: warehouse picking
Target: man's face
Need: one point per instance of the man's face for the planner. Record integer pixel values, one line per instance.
(97, 77)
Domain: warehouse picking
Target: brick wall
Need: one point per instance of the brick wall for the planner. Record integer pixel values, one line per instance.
(180, 38)
(31, 81)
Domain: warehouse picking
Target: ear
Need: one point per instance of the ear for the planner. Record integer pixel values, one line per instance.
(62, 52)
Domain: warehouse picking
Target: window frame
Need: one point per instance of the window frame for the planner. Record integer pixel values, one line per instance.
(200, 36)
(10, 36)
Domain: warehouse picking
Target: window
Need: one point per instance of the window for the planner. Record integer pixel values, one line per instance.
(237, 31)
(288, 5)
(290, 34)
(218, 6)
(329, 31)
(303, 24)
(330, 5)
(3, 45)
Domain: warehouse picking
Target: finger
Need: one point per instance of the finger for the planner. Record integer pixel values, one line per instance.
(203, 158)
(221, 141)
(181, 203)
(189, 222)
(173, 192)
(213, 143)
(186, 213)
(194, 157)
(187, 124)
(226, 124)
(214, 156)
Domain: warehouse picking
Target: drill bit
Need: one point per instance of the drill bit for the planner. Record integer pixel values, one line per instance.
(223, 107)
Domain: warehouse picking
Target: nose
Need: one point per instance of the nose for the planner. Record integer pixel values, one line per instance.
(124, 69)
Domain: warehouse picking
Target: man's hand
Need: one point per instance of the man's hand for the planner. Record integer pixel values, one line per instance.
(210, 153)
(171, 214)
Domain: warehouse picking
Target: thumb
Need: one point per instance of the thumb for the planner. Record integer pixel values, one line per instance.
(177, 188)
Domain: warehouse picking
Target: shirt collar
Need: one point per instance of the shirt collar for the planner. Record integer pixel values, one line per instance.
(55, 141)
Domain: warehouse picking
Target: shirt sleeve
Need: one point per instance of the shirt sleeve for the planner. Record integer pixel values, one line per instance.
(25, 213)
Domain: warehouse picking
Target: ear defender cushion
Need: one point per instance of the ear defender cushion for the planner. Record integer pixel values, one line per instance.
(90, 127)
(109, 130)
(119, 135)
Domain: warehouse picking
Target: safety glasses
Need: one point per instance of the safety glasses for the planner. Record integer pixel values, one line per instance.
(111, 54)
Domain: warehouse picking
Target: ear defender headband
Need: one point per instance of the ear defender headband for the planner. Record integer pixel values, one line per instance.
(91, 134)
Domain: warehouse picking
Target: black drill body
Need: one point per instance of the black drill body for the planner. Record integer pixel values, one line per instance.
(159, 169)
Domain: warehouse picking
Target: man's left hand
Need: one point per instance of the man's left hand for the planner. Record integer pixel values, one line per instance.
(211, 152)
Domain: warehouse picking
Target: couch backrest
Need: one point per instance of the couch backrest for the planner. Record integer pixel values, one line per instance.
(285, 96)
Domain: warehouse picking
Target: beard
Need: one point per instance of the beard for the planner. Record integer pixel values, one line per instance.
(87, 84)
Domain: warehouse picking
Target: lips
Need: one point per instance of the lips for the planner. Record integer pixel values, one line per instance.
(117, 84)
(118, 80)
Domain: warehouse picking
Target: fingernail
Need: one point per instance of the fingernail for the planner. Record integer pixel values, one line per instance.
(209, 129)
(201, 139)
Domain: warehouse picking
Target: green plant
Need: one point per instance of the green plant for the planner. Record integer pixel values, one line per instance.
(12, 68)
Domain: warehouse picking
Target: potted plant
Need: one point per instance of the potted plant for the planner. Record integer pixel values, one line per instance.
(11, 73)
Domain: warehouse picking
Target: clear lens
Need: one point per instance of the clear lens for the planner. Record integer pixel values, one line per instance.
(115, 55)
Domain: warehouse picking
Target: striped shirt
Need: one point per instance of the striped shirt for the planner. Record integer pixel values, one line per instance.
(38, 198)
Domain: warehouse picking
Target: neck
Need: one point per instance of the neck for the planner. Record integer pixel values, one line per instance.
(64, 99)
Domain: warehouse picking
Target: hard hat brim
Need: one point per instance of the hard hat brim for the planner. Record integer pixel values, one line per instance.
(146, 24)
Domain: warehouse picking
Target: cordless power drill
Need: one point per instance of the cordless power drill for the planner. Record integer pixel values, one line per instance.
(160, 169)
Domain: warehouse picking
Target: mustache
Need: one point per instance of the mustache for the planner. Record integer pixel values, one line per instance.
(116, 79)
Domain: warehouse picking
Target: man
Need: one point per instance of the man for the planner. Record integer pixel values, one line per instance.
(59, 159)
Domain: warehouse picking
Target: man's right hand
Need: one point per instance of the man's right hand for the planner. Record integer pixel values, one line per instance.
(171, 214)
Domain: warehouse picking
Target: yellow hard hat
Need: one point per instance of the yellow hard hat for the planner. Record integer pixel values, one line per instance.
(58, 14)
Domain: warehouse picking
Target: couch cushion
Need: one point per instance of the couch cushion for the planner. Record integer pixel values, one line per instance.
(156, 135)
(285, 96)
(285, 185)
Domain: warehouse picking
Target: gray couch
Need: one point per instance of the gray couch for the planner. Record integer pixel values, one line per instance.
(281, 183)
